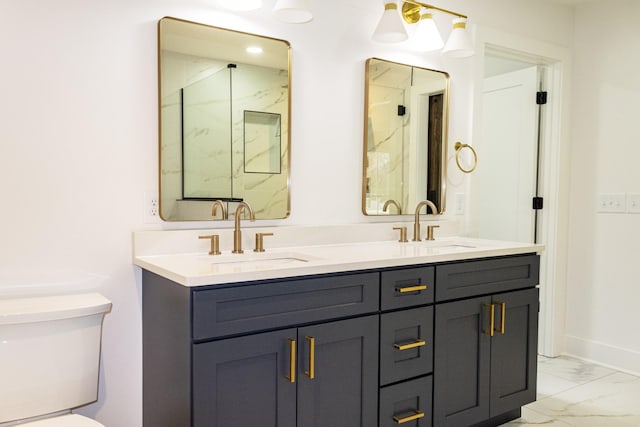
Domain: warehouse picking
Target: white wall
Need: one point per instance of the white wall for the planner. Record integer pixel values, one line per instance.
(604, 249)
(78, 138)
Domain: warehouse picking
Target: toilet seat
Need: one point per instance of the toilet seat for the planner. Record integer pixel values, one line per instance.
(70, 420)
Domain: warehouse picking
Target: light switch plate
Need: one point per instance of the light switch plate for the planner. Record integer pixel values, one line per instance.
(633, 203)
(612, 203)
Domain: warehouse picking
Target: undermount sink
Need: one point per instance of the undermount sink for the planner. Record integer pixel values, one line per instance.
(436, 244)
(261, 259)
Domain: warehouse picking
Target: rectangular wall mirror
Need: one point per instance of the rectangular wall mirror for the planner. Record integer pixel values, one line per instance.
(224, 108)
(405, 137)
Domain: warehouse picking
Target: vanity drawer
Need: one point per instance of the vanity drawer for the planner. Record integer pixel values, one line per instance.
(471, 278)
(407, 287)
(406, 344)
(252, 308)
(407, 403)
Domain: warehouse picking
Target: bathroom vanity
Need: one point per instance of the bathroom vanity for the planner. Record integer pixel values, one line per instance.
(341, 335)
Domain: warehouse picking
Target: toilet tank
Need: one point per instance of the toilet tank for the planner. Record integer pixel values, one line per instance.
(49, 353)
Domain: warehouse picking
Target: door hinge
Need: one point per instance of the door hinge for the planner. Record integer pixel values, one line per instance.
(541, 98)
(402, 110)
(537, 203)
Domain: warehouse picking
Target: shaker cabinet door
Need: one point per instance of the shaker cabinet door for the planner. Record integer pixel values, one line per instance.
(338, 374)
(461, 362)
(514, 350)
(245, 381)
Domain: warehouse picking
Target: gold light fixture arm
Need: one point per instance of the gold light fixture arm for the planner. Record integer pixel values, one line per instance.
(411, 11)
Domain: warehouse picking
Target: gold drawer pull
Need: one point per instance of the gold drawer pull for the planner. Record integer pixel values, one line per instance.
(411, 289)
(311, 373)
(416, 416)
(503, 313)
(292, 361)
(415, 344)
(492, 320)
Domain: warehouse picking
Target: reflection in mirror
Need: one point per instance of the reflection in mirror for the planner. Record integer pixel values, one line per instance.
(405, 134)
(262, 142)
(224, 121)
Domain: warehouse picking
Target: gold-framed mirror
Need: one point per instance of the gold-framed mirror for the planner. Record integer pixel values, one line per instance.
(224, 113)
(405, 137)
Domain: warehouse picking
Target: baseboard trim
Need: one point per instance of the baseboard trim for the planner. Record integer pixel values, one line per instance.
(621, 359)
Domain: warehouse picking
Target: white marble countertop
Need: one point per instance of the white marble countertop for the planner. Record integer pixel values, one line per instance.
(199, 268)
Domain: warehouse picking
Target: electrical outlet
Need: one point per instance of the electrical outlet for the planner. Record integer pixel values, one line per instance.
(151, 207)
(612, 203)
(633, 203)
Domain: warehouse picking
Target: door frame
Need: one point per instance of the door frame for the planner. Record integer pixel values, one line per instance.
(554, 169)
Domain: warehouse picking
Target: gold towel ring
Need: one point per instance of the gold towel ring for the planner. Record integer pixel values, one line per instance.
(459, 146)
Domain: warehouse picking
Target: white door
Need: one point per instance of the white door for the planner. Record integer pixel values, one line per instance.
(504, 182)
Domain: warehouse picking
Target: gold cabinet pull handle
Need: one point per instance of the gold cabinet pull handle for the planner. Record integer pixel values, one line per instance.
(292, 361)
(311, 373)
(411, 289)
(503, 312)
(415, 344)
(416, 416)
(492, 322)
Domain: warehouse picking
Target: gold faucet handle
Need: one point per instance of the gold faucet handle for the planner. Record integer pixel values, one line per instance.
(430, 229)
(260, 241)
(215, 243)
(403, 234)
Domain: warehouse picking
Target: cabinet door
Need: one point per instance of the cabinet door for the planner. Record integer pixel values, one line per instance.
(461, 362)
(242, 382)
(342, 358)
(514, 351)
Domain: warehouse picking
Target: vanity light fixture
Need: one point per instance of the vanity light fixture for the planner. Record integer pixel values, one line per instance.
(427, 37)
(290, 11)
(390, 29)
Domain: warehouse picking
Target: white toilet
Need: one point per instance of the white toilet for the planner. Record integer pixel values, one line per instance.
(49, 359)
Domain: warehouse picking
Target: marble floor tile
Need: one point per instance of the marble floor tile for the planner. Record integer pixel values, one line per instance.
(533, 418)
(575, 393)
(613, 400)
(549, 384)
(575, 370)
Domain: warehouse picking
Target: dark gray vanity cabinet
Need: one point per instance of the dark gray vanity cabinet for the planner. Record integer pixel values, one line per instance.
(296, 352)
(485, 346)
(434, 345)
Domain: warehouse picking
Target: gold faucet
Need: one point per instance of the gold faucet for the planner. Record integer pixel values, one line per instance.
(237, 234)
(416, 224)
(392, 202)
(214, 209)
